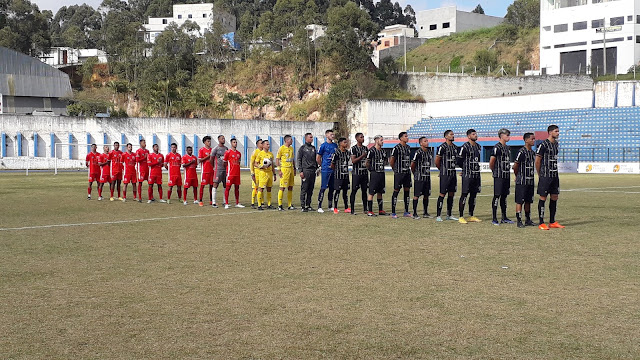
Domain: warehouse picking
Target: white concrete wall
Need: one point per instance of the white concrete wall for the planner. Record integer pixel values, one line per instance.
(78, 127)
(436, 16)
(471, 21)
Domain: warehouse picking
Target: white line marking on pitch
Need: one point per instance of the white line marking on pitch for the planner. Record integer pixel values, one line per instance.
(122, 221)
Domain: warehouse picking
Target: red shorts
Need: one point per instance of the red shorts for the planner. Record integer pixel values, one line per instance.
(233, 180)
(190, 183)
(175, 180)
(130, 178)
(116, 176)
(94, 177)
(105, 179)
(155, 179)
(143, 175)
(206, 179)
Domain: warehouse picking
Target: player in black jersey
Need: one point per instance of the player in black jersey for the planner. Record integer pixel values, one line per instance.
(421, 168)
(500, 164)
(400, 162)
(469, 161)
(446, 156)
(376, 159)
(360, 174)
(523, 168)
(548, 181)
(340, 166)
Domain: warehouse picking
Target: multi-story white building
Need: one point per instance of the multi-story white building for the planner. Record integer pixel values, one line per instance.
(63, 56)
(447, 20)
(202, 14)
(570, 42)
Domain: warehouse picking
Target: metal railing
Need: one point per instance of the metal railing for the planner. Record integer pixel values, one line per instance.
(601, 154)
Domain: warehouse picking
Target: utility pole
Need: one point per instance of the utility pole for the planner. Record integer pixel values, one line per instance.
(604, 30)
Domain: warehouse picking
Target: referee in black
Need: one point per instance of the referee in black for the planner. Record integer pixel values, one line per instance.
(446, 161)
(376, 159)
(523, 168)
(400, 162)
(340, 166)
(500, 164)
(308, 169)
(548, 181)
(360, 174)
(421, 167)
(469, 161)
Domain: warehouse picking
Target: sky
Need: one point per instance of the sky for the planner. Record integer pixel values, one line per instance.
(491, 7)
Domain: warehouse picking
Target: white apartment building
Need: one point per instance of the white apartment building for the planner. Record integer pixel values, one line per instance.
(445, 21)
(202, 14)
(59, 56)
(569, 42)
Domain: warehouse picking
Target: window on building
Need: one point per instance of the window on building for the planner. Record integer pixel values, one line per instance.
(637, 39)
(629, 37)
(433, 27)
(637, 19)
(560, 28)
(386, 43)
(190, 16)
(616, 21)
(547, 28)
(204, 15)
(596, 1)
(546, 47)
(446, 25)
(597, 23)
(579, 25)
(630, 18)
(421, 27)
(179, 16)
(164, 21)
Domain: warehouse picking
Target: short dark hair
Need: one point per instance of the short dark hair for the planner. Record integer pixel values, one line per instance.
(359, 134)
(141, 140)
(328, 131)
(94, 145)
(420, 139)
(155, 145)
(258, 141)
(402, 134)
(551, 128)
(504, 131)
(527, 136)
(174, 144)
(129, 144)
(470, 131)
(287, 137)
(219, 136)
(341, 140)
(307, 134)
(189, 147)
(115, 142)
(234, 139)
(447, 132)
(206, 138)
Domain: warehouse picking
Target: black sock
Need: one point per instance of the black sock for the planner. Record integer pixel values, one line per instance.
(320, 198)
(364, 198)
(406, 201)
(379, 204)
(331, 199)
(553, 205)
(369, 205)
(503, 206)
(394, 201)
(415, 207)
(440, 202)
(336, 196)
(461, 203)
(518, 216)
(527, 215)
(352, 199)
(494, 207)
(449, 205)
(425, 204)
(472, 203)
(344, 198)
(541, 210)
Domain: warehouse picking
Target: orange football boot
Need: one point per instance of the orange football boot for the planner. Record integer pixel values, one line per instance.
(555, 225)
(543, 227)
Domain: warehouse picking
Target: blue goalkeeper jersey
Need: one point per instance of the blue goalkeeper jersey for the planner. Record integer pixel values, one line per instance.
(326, 151)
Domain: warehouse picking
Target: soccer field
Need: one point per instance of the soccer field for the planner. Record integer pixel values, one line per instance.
(90, 279)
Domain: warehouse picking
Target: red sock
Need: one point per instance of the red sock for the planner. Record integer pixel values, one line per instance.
(180, 194)
(118, 190)
(226, 195)
(201, 192)
(150, 192)
(237, 192)
(160, 191)
(169, 194)
(124, 193)
(195, 197)
(135, 193)
(111, 189)
(185, 194)
(99, 191)
(140, 190)
(89, 190)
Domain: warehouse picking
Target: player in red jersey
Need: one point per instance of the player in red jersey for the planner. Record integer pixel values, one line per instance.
(204, 159)
(105, 171)
(142, 156)
(91, 162)
(232, 158)
(190, 164)
(156, 161)
(129, 176)
(115, 157)
(173, 161)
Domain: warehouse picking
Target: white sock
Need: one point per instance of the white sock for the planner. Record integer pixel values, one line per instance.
(215, 190)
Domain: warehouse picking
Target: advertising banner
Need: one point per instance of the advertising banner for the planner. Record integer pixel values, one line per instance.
(608, 168)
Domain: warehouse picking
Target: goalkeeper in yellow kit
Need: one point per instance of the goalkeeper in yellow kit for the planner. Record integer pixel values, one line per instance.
(264, 174)
(287, 172)
(254, 179)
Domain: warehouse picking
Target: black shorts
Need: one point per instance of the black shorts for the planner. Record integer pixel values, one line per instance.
(524, 194)
(548, 186)
(340, 184)
(376, 183)
(422, 188)
(401, 180)
(471, 185)
(501, 187)
(360, 180)
(448, 183)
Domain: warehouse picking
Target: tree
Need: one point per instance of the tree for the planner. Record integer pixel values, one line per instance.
(524, 13)
(76, 26)
(478, 10)
(485, 59)
(23, 27)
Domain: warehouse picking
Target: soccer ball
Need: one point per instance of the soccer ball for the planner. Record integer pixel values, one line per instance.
(266, 163)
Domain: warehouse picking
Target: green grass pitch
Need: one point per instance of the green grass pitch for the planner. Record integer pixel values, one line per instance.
(89, 279)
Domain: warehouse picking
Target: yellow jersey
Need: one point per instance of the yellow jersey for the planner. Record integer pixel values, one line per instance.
(285, 155)
(253, 159)
(260, 158)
